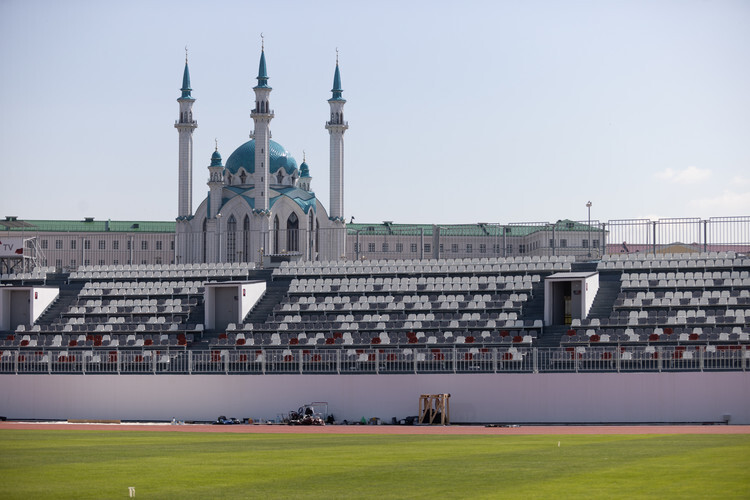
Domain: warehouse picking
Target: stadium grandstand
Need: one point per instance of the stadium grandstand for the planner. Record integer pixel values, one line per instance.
(260, 300)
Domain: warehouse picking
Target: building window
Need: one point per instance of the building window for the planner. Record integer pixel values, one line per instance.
(58, 262)
(231, 238)
(292, 233)
(102, 245)
(563, 243)
(595, 243)
(399, 247)
(442, 248)
(72, 263)
(482, 248)
(101, 262)
(129, 244)
(413, 247)
(87, 262)
(72, 244)
(158, 245)
(495, 248)
(371, 247)
(115, 262)
(144, 245)
(509, 249)
(427, 248)
(585, 243)
(454, 247)
(171, 243)
(87, 244)
(469, 248)
(58, 244)
(385, 247)
(144, 262)
(158, 260)
(116, 245)
(44, 244)
(522, 248)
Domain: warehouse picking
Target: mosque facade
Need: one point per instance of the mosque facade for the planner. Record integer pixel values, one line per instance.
(260, 204)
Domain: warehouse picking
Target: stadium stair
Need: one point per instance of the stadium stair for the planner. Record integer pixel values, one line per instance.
(533, 308)
(276, 290)
(552, 336)
(67, 296)
(609, 289)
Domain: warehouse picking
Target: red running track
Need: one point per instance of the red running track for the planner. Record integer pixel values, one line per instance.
(391, 429)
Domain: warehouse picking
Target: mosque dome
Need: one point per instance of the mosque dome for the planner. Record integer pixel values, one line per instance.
(216, 159)
(244, 157)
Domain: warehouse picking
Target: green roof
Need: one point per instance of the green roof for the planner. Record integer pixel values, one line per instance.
(482, 229)
(95, 226)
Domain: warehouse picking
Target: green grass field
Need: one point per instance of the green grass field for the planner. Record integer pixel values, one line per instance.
(93, 464)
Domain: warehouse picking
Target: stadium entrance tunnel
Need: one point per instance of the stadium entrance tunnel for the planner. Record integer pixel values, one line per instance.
(569, 296)
(21, 306)
(229, 302)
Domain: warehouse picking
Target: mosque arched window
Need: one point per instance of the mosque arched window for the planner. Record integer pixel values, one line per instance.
(243, 177)
(275, 234)
(203, 250)
(280, 177)
(231, 238)
(292, 233)
(246, 239)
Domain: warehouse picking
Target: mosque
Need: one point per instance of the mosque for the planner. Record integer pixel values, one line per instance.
(260, 204)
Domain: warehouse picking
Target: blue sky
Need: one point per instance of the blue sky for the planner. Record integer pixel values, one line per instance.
(508, 111)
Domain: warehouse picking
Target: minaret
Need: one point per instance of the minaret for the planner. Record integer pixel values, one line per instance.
(262, 116)
(304, 175)
(336, 127)
(185, 126)
(215, 184)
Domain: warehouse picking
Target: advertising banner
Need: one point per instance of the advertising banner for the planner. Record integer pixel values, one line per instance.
(11, 247)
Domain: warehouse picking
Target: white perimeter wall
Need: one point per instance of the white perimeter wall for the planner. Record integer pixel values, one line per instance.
(512, 398)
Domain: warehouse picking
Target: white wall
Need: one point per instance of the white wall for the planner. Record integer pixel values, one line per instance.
(251, 293)
(590, 289)
(512, 398)
(41, 298)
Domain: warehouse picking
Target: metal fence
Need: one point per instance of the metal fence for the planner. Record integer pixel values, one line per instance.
(684, 235)
(377, 361)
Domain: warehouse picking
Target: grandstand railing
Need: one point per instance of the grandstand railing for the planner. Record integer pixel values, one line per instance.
(456, 360)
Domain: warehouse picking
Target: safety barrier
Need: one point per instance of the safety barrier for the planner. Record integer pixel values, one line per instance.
(377, 361)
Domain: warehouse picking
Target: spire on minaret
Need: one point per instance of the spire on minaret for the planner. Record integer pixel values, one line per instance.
(186, 80)
(262, 72)
(336, 90)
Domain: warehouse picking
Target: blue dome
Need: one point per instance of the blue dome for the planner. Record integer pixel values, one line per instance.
(216, 159)
(244, 156)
